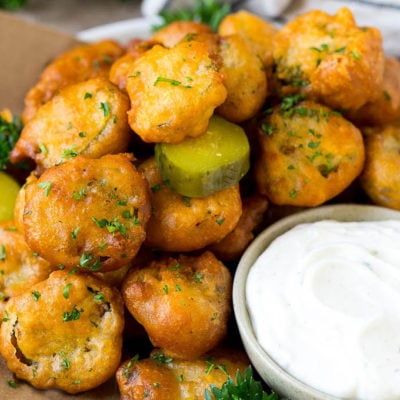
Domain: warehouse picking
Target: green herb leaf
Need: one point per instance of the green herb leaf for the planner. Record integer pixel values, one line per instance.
(46, 185)
(73, 315)
(36, 295)
(9, 134)
(245, 388)
(106, 109)
(210, 12)
(66, 290)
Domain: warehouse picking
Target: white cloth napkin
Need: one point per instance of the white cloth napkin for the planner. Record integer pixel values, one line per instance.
(384, 15)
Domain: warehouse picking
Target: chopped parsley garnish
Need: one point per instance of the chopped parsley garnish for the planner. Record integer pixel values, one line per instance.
(89, 262)
(173, 82)
(66, 290)
(161, 358)
(12, 384)
(2, 252)
(36, 295)
(9, 134)
(106, 109)
(79, 195)
(70, 152)
(73, 315)
(74, 233)
(111, 226)
(99, 297)
(46, 185)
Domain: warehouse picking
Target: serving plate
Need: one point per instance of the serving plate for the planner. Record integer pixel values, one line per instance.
(121, 31)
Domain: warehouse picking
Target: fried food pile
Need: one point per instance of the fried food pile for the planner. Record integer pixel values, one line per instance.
(103, 251)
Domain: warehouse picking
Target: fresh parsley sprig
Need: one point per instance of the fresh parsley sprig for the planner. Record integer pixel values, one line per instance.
(12, 5)
(210, 12)
(9, 134)
(245, 388)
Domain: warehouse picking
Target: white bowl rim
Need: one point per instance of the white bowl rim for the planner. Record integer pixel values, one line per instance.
(341, 212)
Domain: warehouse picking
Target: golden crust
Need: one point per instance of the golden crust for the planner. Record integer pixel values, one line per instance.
(380, 178)
(386, 107)
(308, 155)
(20, 267)
(76, 65)
(174, 92)
(181, 224)
(177, 379)
(245, 79)
(177, 31)
(119, 71)
(232, 246)
(257, 31)
(64, 332)
(86, 118)
(339, 63)
(90, 213)
(183, 303)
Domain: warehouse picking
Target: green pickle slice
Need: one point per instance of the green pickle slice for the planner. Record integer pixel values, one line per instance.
(198, 167)
(9, 189)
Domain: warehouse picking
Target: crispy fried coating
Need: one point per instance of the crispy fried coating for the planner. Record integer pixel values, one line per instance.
(86, 118)
(182, 302)
(20, 267)
(245, 79)
(307, 154)
(64, 332)
(181, 224)
(88, 213)
(174, 92)
(256, 30)
(19, 208)
(380, 178)
(76, 65)
(333, 60)
(163, 378)
(119, 71)
(232, 246)
(177, 31)
(385, 108)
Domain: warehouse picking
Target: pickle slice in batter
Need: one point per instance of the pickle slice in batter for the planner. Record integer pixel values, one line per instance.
(198, 167)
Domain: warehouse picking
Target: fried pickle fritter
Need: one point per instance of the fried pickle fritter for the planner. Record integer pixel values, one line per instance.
(177, 31)
(119, 71)
(245, 79)
(181, 224)
(86, 118)
(20, 267)
(232, 246)
(88, 213)
(76, 65)
(163, 378)
(182, 302)
(256, 30)
(174, 92)
(307, 154)
(333, 60)
(64, 332)
(386, 108)
(380, 178)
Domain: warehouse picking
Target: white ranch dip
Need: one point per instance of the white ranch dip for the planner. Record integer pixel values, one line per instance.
(324, 301)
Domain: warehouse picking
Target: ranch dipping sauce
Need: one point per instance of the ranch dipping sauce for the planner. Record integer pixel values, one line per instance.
(324, 302)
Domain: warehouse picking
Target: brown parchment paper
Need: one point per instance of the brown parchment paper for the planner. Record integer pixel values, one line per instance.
(25, 49)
